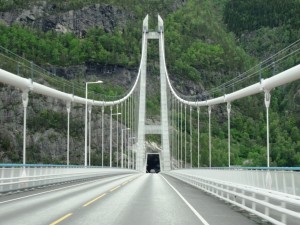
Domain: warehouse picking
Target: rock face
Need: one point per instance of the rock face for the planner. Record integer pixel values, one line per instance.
(47, 138)
(47, 130)
(44, 17)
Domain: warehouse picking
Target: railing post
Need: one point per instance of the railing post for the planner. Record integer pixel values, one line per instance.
(283, 215)
(253, 204)
(267, 210)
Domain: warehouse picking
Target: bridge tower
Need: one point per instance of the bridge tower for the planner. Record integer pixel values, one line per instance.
(163, 128)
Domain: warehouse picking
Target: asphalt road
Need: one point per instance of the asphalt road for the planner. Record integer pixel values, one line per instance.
(126, 199)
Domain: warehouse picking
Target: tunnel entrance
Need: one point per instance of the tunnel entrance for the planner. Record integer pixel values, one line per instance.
(153, 163)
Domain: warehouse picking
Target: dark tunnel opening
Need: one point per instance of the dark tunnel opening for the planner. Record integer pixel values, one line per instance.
(153, 163)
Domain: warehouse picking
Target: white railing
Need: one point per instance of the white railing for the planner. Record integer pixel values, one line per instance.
(14, 178)
(270, 194)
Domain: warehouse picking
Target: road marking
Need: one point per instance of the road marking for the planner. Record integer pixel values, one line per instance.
(61, 219)
(95, 199)
(115, 188)
(45, 192)
(187, 203)
(125, 183)
(111, 190)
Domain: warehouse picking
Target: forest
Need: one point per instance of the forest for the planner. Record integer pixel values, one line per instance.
(207, 42)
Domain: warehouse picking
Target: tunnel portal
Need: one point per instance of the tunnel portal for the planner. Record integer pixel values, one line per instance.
(153, 163)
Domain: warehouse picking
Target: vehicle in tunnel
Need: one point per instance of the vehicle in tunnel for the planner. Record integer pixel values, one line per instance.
(153, 163)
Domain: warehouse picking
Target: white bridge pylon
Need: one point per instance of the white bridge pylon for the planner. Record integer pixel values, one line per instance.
(164, 124)
(265, 86)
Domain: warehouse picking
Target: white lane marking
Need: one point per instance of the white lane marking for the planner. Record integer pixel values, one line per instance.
(45, 192)
(187, 203)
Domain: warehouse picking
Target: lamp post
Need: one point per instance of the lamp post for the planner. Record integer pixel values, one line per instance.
(89, 132)
(110, 134)
(86, 113)
(122, 147)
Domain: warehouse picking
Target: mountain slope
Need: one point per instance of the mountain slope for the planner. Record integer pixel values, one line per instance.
(206, 45)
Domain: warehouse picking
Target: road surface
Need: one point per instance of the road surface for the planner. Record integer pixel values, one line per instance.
(139, 199)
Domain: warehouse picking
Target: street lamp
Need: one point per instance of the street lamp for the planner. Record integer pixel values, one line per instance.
(86, 127)
(122, 145)
(110, 134)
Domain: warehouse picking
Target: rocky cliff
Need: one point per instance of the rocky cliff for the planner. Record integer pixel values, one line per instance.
(47, 118)
(47, 130)
(43, 15)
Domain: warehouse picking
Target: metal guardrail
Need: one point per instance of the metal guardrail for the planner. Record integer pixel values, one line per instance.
(278, 180)
(17, 177)
(253, 191)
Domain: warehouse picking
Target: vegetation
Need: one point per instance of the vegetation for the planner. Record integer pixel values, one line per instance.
(252, 15)
(203, 38)
(66, 49)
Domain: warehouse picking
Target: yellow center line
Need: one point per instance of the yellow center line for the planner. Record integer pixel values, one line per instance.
(111, 190)
(95, 199)
(61, 219)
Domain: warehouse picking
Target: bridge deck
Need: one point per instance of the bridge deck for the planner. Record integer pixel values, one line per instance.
(125, 199)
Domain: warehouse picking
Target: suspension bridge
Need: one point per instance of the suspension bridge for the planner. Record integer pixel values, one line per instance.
(121, 192)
